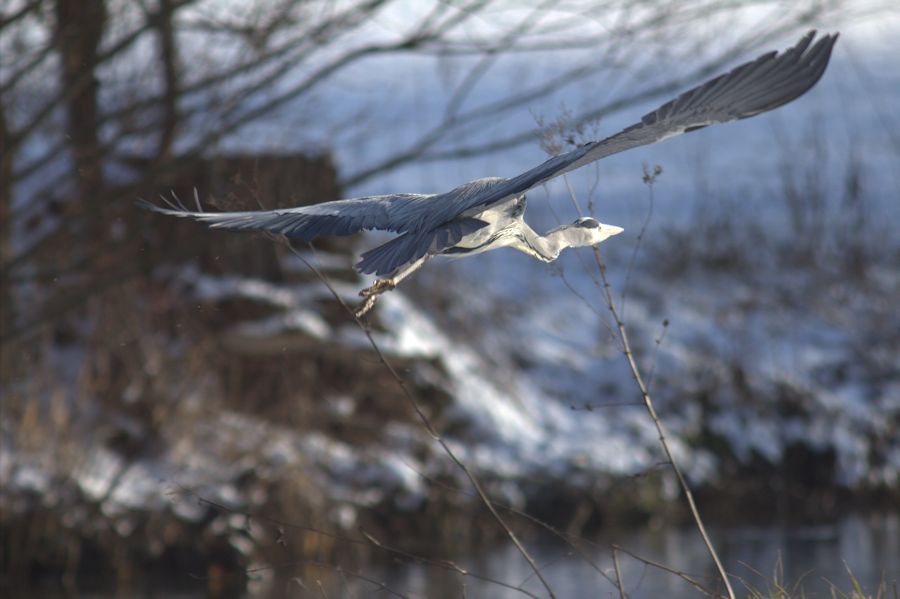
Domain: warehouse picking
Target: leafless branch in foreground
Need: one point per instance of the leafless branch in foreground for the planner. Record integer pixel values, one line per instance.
(648, 402)
(649, 562)
(619, 582)
(423, 418)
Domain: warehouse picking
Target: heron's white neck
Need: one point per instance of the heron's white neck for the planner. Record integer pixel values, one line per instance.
(545, 248)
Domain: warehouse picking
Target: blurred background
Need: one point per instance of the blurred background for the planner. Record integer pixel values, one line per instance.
(188, 411)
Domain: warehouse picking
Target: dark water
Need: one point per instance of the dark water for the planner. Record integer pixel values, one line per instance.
(804, 560)
(807, 558)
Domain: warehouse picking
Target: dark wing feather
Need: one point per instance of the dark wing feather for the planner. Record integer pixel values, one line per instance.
(411, 246)
(770, 81)
(341, 217)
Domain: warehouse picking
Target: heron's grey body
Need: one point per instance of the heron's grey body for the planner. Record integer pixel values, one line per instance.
(501, 225)
(487, 213)
(506, 227)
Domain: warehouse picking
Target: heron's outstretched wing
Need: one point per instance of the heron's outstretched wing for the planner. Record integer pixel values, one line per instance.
(768, 82)
(757, 86)
(341, 217)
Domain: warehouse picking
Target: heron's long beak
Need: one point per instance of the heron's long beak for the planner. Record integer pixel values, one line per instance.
(614, 230)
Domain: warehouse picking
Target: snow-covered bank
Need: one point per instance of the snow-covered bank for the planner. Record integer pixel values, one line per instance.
(755, 362)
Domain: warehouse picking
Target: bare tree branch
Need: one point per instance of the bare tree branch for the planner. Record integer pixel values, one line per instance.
(648, 402)
(445, 564)
(419, 151)
(168, 60)
(27, 8)
(31, 64)
(426, 423)
(692, 580)
(78, 84)
(289, 54)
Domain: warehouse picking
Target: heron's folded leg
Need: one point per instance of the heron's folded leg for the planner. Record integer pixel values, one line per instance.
(371, 294)
(405, 271)
(365, 306)
(381, 285)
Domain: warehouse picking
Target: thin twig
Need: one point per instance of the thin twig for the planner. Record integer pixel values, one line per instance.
(649, 179)
(446, 564)
(649, 562)
(368, 539)
(426, 422)
(381, 586)
(656, 345)
(567, 538)
(619, 582)
(648, 402)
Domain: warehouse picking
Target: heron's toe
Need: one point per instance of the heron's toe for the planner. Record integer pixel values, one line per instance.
(380, 286)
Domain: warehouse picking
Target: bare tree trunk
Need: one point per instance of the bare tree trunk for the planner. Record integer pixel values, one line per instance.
(168, 58)
(5, 184)
(80, 25)
(6, 159)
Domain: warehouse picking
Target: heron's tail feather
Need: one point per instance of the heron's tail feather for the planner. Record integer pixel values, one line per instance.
(388, 257)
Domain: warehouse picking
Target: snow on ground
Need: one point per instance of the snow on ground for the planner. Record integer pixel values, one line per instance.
(762, 344)
(539, 389)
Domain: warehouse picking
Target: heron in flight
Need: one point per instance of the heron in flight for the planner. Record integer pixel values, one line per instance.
(488, 213)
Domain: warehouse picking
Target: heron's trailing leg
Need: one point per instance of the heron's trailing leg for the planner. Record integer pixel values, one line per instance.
(381, 285)
(372, 293)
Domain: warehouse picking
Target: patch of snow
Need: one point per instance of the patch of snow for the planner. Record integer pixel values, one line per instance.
(304, 321)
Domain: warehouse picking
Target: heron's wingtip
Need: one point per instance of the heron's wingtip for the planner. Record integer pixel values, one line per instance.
(172, 209)
(146, 205)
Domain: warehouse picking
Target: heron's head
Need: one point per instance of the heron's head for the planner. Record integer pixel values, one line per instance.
(589, 231)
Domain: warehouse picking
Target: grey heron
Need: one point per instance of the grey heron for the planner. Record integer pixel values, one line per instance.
(488, 213)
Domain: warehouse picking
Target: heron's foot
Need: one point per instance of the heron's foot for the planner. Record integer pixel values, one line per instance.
(371, 294)
(364, 307)
(380, 286)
